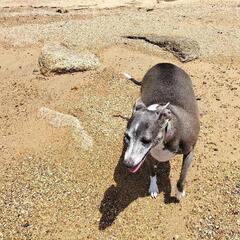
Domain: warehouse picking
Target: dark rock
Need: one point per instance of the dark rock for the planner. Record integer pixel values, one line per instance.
(60, 10)
(25, 224)
(183, 48)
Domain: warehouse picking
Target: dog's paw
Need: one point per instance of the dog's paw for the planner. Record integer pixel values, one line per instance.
(180, 195)
(154, 194)
(153, 188)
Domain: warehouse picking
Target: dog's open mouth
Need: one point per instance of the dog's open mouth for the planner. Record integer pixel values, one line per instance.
(136, 168)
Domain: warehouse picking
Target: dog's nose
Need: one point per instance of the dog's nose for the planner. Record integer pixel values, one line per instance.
(128, 162)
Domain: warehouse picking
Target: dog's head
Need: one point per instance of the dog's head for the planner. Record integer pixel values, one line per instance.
(145, 129)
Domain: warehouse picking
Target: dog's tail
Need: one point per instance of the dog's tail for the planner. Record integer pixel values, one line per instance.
(129, 77)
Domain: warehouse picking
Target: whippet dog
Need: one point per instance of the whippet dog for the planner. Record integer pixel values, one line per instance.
(164, 122)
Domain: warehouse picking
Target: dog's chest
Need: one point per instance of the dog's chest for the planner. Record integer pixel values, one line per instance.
(161, 154)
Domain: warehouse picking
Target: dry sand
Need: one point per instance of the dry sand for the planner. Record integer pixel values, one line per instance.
(52, 189)
(84, 3)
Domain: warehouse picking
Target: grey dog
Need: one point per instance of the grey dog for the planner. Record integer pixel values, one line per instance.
(164, 122)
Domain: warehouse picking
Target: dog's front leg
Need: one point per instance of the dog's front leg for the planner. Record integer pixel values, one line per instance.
(153, 187)
(187, 159)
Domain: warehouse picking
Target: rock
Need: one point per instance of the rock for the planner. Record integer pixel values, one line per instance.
(60, 10)
(74, 88)
(183, 48)
(25, 225)
(56, 58)
(176, 237)
(57, 119)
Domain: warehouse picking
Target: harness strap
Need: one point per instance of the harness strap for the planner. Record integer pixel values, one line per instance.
(168, 132)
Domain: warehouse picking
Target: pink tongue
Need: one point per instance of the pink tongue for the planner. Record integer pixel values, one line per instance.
(135, 168)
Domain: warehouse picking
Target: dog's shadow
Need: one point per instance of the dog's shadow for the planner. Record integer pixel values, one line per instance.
(131, 186)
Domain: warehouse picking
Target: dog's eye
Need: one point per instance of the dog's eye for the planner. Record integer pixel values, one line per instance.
(145, 141)
(127, 138)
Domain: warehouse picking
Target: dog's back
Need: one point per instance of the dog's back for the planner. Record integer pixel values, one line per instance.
(165, 83)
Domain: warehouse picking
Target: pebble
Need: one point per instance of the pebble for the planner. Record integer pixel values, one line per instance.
(25, 225)
(60, 10)
(176, 237)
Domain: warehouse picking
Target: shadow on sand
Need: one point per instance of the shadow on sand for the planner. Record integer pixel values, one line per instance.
(131, 186)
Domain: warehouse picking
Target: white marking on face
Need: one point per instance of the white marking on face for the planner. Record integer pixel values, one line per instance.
(180, 195)
(153, 107)
(129, 150)
(153, 188)
(135, 151)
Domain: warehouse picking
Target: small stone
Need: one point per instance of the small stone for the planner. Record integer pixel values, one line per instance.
(60, 10)
(41, 78)
(25, 224)
(176, 237)
(74, 88)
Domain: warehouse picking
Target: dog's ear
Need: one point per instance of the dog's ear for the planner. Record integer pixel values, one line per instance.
(138, 105)
(164, 113)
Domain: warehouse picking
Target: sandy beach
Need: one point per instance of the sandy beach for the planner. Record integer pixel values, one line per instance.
(51, 187)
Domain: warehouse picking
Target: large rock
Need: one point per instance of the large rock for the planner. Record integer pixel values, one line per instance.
(57, 119)
(183, 48)
(56, 58)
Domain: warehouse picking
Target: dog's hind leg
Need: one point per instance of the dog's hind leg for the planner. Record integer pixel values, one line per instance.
(187, 159)
(153, 187)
